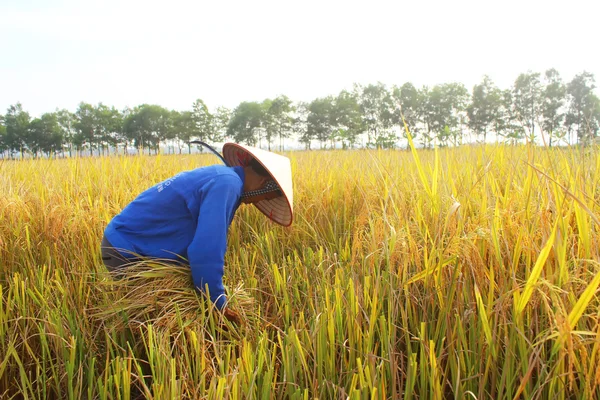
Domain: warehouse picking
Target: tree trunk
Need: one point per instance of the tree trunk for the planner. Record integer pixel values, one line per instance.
(280, 141)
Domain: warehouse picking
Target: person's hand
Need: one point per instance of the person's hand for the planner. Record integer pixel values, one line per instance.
(232, 316)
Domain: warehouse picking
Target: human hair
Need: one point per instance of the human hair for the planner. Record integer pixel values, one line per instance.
(258, 168)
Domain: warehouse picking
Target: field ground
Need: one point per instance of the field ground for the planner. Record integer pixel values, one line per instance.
(458, 273)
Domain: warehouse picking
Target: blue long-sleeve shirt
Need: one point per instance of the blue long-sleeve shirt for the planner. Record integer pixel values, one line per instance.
(186, 216)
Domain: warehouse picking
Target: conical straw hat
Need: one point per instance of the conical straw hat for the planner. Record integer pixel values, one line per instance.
(279, 209)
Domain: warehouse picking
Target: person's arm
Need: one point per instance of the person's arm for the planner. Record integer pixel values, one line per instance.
(206, 253)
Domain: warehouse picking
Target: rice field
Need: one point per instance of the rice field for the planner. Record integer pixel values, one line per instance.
(467, 273)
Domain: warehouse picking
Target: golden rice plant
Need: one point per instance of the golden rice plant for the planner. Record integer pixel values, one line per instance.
(466, 272)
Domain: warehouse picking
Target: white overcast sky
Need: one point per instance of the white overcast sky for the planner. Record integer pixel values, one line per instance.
(57, 53)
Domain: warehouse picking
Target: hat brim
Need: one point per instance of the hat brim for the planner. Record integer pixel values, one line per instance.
(279, 209)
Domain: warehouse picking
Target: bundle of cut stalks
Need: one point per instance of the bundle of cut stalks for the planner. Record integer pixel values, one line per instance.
(162, 294)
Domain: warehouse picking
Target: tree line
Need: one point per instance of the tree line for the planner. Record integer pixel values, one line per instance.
(366, 116)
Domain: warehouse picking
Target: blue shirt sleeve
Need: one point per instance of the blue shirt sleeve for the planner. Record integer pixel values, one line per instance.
(206, 253)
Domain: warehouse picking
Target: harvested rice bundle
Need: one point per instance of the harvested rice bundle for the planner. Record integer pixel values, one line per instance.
(162, 294)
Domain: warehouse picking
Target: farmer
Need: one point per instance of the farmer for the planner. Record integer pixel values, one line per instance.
(186, 217)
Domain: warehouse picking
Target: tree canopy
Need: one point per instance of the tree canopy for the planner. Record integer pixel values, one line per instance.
(537, 108)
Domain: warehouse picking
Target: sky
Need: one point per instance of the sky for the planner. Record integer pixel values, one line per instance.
(123, 53)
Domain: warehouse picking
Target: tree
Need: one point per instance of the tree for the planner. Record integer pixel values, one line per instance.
(300, 125)
(3, 139)
(279, 117)
(122, 136)
(35, 136)
(17, 123)
(108, 126)
(595, 119)
(553, 96)
(430, 104)
(408, 109)
(221, 119)
(267, 123)
(347, 118)
(66, 123)
(244, 123)
(171, 133)
(456, 98)
(45, 135)
(507, 122)
(483, 110)
(319, 119)
(86, 126)
(98, 127)
(442, 118)
(184, 128)
(527, 92)
(377, 107)
(203, 121)
(442, 106)
(582, 105)
(148, 125)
